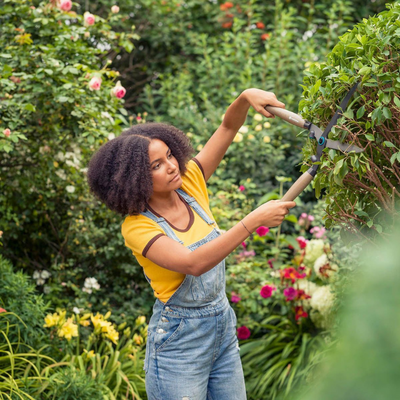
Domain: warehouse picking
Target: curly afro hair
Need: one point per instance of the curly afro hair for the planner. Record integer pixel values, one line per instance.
(119, 172)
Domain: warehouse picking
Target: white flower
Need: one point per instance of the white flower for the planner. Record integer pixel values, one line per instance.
(111, 136)
(315, 248)
(89, 284)
(61, 173)
(76, 310)
(308, 287)
(36, 275)
(322, 300)
(45, 274)
(59, 156)
(46, 289)
(243, 129)
(70, 189)
(40, 281)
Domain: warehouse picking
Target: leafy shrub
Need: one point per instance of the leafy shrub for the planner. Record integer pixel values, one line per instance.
(18, 297)
(361, 190)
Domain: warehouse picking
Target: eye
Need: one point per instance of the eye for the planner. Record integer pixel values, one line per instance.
(156, 166)
(170, 155)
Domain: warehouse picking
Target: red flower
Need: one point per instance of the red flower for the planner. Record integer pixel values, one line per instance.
(260, 25)
(243, 333)
(242, 188)
(227, 25)
(302, 242)
(270, 264)
(265, 36)
(300, 313)
(2, 310)
(262, 230)
(302, 295)
(226, 6)
(266, 291)
(292, 274)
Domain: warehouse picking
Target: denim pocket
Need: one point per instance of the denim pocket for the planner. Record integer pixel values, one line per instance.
(168, 330)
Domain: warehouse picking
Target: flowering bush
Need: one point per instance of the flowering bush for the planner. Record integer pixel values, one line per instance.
(85, 343)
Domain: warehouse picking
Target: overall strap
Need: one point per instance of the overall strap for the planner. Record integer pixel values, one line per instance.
(196, 207)
(163, 224)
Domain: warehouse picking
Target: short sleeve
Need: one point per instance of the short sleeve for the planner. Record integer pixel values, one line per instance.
(194, 182)
(140, 233)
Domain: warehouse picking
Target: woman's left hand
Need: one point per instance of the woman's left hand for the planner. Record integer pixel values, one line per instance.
(258, 99)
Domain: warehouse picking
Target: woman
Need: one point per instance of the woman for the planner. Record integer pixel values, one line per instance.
(147, 172)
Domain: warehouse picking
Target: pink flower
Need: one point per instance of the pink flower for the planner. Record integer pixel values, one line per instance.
(244, 245)
(235, 298)
(7, 132)
(118, 91)
(2, 310)
(318, 232)
(310, 218)
(266, 291)
(270, 264)
(241, 188)
(88, 18)
(243, 333)
(114, 9)
(303, 215)
(95, 83)
(65, 5)
(138, 118)
(290, 293)
(262, 230)
(302, 241)
(250, 253)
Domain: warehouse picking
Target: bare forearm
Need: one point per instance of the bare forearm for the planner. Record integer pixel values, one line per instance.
(210, 254)
(236, 113)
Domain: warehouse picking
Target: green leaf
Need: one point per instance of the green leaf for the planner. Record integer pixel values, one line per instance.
(364, 70)
(360, 112)
(393, 158)
(370, 223)
(30, 107)
(63, 99)
(397, 101)
(370, 137)
(49, 71)
(387, 113)
(338, 165)
(389, 144)
(123, 111)
(378, 228)
(4, 55)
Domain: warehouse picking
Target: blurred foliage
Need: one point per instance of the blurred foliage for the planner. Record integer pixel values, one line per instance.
(363, 362)
(362, 191)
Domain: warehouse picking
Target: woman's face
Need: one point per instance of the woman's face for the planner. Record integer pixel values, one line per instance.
(164, 168)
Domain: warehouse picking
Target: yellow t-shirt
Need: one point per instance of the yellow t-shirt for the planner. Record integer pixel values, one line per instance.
(140, 232)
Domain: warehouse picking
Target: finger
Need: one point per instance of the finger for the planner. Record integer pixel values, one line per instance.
(267, 114)
(288, 204)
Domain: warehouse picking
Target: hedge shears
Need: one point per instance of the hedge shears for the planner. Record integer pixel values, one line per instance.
(321, 138)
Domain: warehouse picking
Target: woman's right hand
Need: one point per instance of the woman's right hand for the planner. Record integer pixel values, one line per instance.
(270, 214)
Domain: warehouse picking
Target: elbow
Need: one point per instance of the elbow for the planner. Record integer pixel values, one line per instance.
(194, 267)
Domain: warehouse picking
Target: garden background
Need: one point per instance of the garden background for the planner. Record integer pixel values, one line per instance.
(73, 301)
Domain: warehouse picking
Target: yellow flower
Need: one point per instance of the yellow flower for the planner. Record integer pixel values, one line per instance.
(258, 117)
(107, 315)
(96, 320)
(84, 323)
(55, 163)
(258, 128)
(68, 330)
(89, 354)
(51, 320)
(189, 134)
(137, 339)
(251, 137)
(140, 320)
(267, 125)
(267, 139)
(238, 138)
(113, 335)
(199, 147)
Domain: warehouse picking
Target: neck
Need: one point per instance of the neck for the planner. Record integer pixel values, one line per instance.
(164, 201)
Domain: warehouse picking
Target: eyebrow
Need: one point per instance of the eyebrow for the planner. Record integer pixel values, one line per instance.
(158, 159)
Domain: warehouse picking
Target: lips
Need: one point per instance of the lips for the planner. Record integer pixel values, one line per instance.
(174, 178)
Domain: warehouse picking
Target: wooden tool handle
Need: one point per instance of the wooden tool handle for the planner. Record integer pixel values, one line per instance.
(298, 187)
(288, 116)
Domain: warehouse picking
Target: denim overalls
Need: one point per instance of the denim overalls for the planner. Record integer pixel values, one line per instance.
(192, 351)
